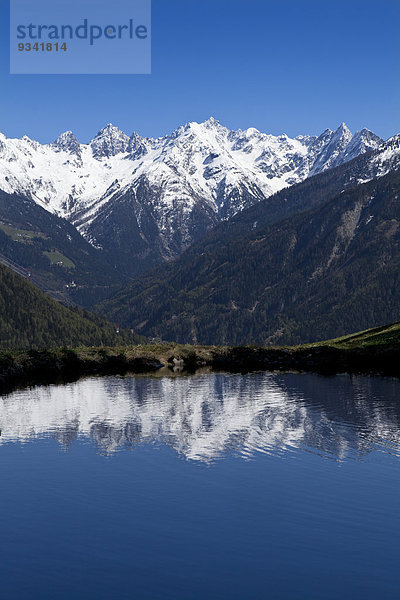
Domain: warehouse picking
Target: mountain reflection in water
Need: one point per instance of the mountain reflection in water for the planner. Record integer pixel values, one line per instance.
(203, 417)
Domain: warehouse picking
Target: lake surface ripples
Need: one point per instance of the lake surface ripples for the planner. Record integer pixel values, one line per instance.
(207, 486)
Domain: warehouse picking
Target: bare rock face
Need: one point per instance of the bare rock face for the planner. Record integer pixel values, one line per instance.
(109, 141)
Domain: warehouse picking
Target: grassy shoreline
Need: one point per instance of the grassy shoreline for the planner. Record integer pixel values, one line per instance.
(375, 351)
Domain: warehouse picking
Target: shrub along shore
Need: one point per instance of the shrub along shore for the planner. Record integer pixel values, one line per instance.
(376, 351)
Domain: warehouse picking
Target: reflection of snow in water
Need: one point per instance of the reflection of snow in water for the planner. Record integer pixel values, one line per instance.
(202, 417)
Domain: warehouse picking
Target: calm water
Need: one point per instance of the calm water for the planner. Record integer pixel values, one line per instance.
(215, 486)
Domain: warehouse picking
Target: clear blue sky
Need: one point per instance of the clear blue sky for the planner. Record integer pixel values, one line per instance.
(283, 66)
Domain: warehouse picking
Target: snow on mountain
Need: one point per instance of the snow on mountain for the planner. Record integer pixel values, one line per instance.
(67, 142)
(388, 157)
(333, 149)
(361, 142)
(180, 184)
(109, 141)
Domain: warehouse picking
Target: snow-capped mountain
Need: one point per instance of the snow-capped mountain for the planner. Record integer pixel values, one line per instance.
(154, 197)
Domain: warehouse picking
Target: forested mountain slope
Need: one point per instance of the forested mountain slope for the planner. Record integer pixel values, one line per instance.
(54, 252)
(324, 272)
(29, 318)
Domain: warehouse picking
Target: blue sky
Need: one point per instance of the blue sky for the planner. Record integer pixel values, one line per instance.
(281, 66)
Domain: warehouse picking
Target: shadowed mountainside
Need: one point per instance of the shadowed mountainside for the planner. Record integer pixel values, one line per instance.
(314, 275)
(30, 318)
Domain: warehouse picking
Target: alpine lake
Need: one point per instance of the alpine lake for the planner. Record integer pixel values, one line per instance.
(203, 486)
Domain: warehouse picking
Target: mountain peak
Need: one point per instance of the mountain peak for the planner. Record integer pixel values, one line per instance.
(109, 141)
(367, 136)
(362, 141)
(343, 129)
(109, 127)
(250, 131)
(211, 122)
(364, 131)
(28, 141)
(67, 141)
(198, 129)
(110, 130)
(136, 146)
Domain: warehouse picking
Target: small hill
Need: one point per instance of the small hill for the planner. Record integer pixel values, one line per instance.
(29, 318)
(386, 337)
